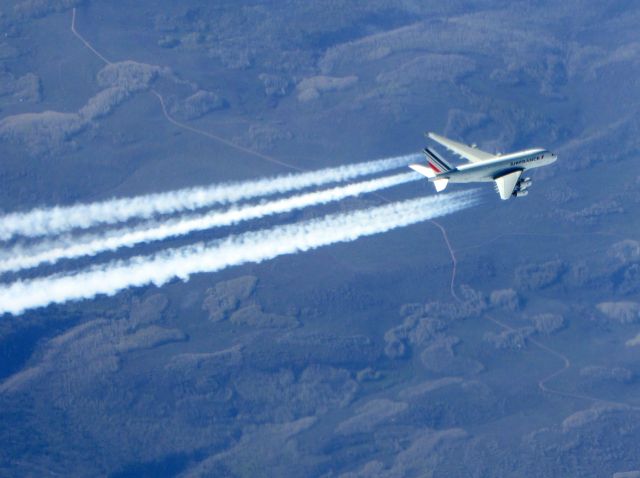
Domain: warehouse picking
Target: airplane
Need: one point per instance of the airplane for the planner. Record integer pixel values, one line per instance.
(506, 170)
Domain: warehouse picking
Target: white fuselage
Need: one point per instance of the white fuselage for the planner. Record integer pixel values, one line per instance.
(490, 169)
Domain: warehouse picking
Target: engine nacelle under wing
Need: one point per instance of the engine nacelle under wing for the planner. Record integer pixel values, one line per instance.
(525, 183)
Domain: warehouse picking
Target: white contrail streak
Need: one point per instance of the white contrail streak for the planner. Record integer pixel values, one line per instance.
(48, 221)
(52, 251)
(256, 246)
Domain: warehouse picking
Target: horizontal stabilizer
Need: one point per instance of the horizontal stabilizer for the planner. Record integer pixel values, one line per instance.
(440, 184)
(424, 170)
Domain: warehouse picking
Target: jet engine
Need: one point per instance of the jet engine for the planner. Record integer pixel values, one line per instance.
(524, 184)
(521, 193)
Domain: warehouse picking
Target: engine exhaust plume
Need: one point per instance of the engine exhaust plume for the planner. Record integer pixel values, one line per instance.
(50, 221)
(52, 251)
(256, 246)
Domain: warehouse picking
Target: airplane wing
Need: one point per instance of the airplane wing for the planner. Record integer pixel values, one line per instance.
(507, 183)
(467, 152)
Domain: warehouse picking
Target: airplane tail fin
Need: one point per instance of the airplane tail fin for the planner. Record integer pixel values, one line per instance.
(437, 162)
(440, 184)
(437, 165)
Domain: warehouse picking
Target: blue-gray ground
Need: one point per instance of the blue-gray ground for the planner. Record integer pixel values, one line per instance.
(353, 360)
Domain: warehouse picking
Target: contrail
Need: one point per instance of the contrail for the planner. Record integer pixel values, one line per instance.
(53, 251)
(50, 252)
(47, 221)
(256, 246)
